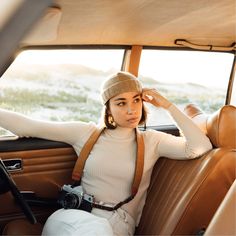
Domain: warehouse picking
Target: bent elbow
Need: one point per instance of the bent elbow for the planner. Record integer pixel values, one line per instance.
(199, 150)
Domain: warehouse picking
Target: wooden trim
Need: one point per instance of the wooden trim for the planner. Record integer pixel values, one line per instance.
(132, 62)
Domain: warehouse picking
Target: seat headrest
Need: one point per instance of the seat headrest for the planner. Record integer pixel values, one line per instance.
(220, 126)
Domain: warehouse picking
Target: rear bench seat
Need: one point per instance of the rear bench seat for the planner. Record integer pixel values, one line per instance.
(184, 195)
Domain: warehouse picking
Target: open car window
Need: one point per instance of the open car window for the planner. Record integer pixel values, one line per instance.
(186, 77)
(58, 85)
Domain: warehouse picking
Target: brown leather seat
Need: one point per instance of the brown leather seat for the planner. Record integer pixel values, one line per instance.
(22, 227)
(224, 221)
(184, 195)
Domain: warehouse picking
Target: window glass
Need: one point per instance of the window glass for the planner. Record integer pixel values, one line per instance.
(185, 77)
(58, 85)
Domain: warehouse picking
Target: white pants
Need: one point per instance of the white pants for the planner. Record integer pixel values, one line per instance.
(100, 223)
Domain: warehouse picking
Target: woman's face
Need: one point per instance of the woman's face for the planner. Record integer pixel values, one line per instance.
(126, 109)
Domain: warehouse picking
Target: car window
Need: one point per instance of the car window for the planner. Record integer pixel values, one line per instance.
(58, 85)
(185, 77)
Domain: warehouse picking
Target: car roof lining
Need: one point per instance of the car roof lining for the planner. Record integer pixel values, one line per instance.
(147, 23)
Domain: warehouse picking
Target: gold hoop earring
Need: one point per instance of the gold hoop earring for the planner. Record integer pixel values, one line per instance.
(111, 121)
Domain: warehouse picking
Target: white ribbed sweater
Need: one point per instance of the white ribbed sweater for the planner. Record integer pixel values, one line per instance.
(109, 170)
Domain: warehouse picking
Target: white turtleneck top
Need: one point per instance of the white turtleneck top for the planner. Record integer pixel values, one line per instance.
(109, 170)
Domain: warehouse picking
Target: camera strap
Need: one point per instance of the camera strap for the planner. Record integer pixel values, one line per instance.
(85, 151)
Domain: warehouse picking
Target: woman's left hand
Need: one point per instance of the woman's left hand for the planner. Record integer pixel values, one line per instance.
(155, 98)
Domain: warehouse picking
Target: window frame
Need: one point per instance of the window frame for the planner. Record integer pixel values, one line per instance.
(231, 84)
(171, 127)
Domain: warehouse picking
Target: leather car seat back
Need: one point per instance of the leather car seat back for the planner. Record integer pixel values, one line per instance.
(224, 220)
(220, 127)
(184, 195)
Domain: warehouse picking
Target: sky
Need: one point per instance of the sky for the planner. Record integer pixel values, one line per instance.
(204, 68)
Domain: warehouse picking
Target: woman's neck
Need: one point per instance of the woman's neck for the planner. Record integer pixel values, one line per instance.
(121, 132)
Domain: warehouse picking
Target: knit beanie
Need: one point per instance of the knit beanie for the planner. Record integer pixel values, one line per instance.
(118, 83)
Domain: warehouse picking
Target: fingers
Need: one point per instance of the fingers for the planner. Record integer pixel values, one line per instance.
(150, 91)
(146, 94)
(154, 97)
(149, 94)
(147, 98)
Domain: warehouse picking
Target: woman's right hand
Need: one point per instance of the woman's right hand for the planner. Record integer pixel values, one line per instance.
(155, 98)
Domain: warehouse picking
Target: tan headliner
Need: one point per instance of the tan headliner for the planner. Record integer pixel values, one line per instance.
(140, 22)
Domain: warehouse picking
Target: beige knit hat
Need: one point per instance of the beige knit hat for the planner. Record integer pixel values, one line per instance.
(118, 83)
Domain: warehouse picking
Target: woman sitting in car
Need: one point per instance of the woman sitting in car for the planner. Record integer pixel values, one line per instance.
(110, 168)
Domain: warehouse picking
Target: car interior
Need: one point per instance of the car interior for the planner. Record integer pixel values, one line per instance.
(194, 197)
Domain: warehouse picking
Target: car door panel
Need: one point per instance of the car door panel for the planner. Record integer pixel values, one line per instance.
(43, 171)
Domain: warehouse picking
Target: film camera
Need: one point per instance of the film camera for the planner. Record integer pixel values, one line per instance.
(75, 198)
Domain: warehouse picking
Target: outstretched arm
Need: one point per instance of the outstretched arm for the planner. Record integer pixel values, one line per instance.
(193, 144)
(24, 126)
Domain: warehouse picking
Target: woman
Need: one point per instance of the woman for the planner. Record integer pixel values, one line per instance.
(110, 168)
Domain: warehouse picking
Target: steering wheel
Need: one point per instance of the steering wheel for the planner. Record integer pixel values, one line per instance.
(10, 185)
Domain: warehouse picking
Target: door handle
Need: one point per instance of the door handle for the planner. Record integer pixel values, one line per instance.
(13, 164)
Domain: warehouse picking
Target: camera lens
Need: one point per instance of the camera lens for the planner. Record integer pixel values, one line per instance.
(71, 201)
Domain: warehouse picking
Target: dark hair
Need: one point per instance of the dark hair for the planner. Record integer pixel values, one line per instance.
(110, 126)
